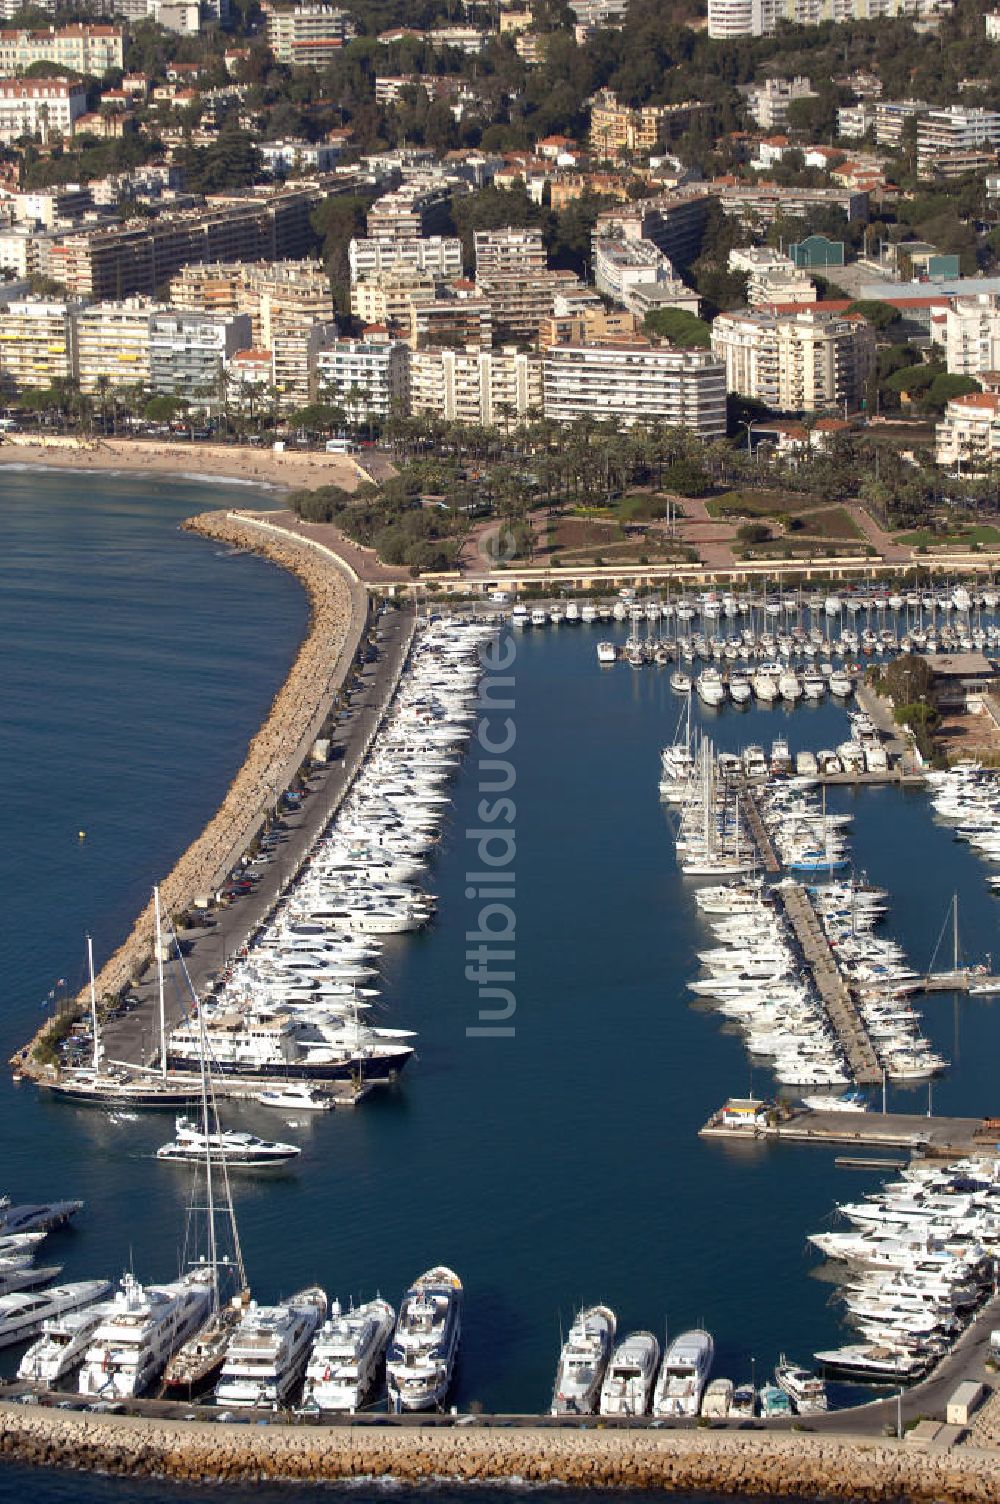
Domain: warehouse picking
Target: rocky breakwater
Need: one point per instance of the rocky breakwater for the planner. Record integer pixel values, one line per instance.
(337, 619)
(721, 1462)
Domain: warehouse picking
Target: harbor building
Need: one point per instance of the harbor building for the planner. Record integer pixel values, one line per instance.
(39, 107)
(368, 378)
(436, 255)
(36, 343)
(796, 362)
(483, 387)
(636, 381)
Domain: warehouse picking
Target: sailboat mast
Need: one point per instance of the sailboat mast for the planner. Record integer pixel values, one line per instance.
(93, 1005)
(159, 982)
(213, 1253)
(954, 934)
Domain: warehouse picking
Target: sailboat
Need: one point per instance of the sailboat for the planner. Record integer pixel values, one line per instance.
(196, 1366)
(109, 1084)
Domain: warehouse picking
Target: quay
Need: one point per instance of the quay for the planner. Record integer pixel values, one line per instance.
(932, 1137)
(758, 830)
(836, 997)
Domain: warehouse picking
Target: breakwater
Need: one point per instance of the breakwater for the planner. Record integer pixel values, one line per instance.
(685, 1461)
(338, 612)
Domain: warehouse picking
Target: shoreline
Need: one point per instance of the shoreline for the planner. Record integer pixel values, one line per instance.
(238, 464)
(768, 1464)
(338, 611)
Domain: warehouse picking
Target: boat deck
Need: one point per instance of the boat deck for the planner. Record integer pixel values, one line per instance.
(934, 1137)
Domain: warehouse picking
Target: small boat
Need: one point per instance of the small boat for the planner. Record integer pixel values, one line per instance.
(606, 653)
(296, 1096)
(718, 1399)
(583, 1361)
(851, 1101)
(681, 683)
(244, 1151)
(774, 1402)
(628, 1383)
(743, 1405)
(806, 1391)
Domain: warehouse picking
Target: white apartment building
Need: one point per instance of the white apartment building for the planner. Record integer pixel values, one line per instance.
(112, 343)
(42, 107)
(36, 343)
(439, 256)
(757, 18)
(507, 251)
(992, 19)
(294, 353)
(188, 352)
(957, 129)
(636, 381)
(486, 387)
(768, 102)
(307, 35)
(891, 116)
(283, 157)
(771, 276)
(972, 334)
(854, 121)
(796, 362)
(629, 269)
(421, 206)
(969, 433)
(85, 49)
(367, 378)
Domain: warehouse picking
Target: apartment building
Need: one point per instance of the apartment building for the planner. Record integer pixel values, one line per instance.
(437, 255)
(457, 315)
(503, 252)
(891, 116)
(487, 387)
(954, 133)
(36, 343)
(630, 270)
(972, 334)
(521, 302)
(415, 209)
(101, 263)
(388, 299)
(615, 127)
(768, 102)
(758, 18)
(674, 222)
(307, 36)
(367, 378)
(636, 381)
(188, 352)
(112, 343)
(85, 49)
(39, 107)
(969, 432)
(771, 276)
(854, 121)
(759, 204)
(279, 296)
(294, 353)
(800, 362)
(575, 322)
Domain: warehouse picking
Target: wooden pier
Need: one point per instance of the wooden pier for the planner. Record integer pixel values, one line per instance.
(932, 1137)
(758, 830)
(840, 1006)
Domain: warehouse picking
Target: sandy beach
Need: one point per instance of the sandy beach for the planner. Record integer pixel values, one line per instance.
(291, 470)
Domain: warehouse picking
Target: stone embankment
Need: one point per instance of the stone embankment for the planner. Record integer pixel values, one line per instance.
(735, 1463)
(337, 618)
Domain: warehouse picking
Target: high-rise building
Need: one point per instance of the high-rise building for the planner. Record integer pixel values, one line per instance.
(367, 378)
(636, 381)
(796, 362)
(88, 49)
(188, 352)
(972, 334)
(488, 387)
(307, 36)
(969, 432)
(36, 343)
(112, 343)
(504, 252)
(39, 107)
(437, 255)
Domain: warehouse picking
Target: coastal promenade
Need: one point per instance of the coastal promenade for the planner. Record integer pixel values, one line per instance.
(339, 614)
(506, 1449)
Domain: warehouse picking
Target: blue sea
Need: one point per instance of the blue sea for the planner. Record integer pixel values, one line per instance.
(556, 1166)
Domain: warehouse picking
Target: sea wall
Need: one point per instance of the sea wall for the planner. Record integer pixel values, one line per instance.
(338, 610)
(690, 1461)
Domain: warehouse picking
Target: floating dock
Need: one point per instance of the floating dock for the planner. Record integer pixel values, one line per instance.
(835, 995)
(933, 1137)
(758, 830)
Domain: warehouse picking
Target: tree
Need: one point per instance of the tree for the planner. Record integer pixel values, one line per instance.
(876, 312)
(679, 327)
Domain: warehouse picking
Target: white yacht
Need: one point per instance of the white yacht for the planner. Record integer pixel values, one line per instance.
(628, 1383)
(296, 1097)
(711, 687)
(684, 1374)
(583, 1361)
(61, 1348)
(421, 1357)
(142, 1327)
(347, 1356)
(240, 1151)
(806, 1392)
(268, 1351)
(22, 1315)
(681, 683)
(718, 1399)
(606, 653)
